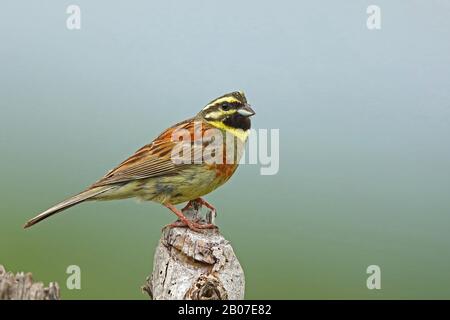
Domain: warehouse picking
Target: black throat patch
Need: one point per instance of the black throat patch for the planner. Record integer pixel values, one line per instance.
(238, 121)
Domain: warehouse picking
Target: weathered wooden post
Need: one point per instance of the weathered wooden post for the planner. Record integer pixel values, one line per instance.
(195, 266)
(20, 286)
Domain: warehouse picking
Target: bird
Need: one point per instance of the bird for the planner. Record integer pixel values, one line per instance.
(157, 172)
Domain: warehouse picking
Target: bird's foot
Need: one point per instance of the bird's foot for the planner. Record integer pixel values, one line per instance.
(176, 224)
(194, 226)
(183, 221)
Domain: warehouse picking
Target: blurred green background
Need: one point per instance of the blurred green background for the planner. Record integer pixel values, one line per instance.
(364, 119)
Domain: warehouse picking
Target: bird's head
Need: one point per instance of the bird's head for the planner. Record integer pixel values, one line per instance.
(230, 112)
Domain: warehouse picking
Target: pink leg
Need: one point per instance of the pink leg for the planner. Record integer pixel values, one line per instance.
(185, 221)
(207, 204)
(187, 206)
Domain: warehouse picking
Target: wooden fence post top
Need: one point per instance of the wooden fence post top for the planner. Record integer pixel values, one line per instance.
(195, 266)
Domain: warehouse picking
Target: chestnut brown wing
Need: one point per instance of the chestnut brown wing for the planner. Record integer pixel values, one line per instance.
(149, 161)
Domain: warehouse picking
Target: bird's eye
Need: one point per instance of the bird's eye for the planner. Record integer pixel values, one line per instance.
(225, 107)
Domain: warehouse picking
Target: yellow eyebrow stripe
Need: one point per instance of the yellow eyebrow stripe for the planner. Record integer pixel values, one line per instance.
(220, 100)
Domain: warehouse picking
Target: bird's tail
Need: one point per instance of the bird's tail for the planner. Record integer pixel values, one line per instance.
(83, 196)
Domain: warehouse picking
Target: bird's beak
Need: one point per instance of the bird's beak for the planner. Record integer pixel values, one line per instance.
(246, 111)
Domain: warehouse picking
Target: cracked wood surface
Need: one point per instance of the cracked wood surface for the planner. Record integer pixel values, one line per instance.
(195, 266)
(21, 287)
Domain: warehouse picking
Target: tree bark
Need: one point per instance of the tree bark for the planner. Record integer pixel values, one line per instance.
(195, 266)
(21, 287)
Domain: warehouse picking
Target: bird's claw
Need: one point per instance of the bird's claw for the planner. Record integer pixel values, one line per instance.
(192, 225)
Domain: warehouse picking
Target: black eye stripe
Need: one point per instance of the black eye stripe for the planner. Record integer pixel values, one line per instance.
(215, 112)
(230, 105)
